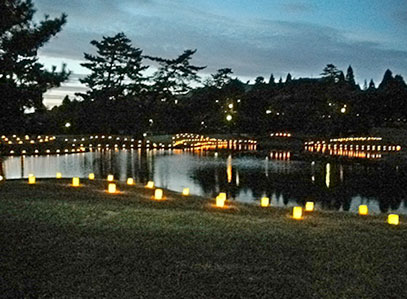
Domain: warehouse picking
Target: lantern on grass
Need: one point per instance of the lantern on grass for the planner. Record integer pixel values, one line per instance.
(158, 194)
(222, 196)
(110, 178)
(264, 202)
(309, 206)
(393, 219)
(220, 201)
(185, 191)
(363, 210)
(75, 182)
(31, 179)
(91, 176)
(150, 185)
(111, 188)
(59, 175)
(130, 181)
(297, 212)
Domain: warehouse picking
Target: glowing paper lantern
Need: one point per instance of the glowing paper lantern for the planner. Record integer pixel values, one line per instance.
(222, 196)
(220, 201)
(264, 202)
(110, 178)
(158, 194)
(59, 175)
(363, 210)
(130, 181)
(150, 185)
(31, 179)
(297, 212)
(309, 206)
(393, 219)
(111, 188)
(185, 192)
(91, 176)
(75, 182)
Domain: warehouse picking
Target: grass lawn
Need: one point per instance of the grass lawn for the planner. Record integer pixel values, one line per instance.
(60, 241)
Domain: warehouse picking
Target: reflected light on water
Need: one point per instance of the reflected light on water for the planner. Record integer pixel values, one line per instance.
(289, 182)
(328, 175)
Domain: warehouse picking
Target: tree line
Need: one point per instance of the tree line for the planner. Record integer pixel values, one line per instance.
(121, 97)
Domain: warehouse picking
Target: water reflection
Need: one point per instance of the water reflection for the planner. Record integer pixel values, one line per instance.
(246, 178)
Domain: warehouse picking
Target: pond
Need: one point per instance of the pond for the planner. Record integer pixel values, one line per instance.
(246, 177)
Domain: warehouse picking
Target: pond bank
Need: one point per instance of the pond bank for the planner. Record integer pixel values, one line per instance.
(57, 240)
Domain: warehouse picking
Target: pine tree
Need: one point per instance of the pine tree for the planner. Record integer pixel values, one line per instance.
(23, 80)
(272, 80)
(116, 70)
(288, 79)
(371, 84)
(330, 73)
(364, 85)
(259, 80)
(222, 77)
(387, 79)
(174, 75)
(350, 77)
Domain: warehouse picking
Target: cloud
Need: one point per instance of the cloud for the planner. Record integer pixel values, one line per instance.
(250, 46)
(297, 7)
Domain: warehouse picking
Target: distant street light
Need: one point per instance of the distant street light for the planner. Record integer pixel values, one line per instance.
(343, 109)
(230, 106)
(67, 125)
(228, 117)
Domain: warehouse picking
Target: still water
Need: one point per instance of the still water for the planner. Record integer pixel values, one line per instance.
(245, 177)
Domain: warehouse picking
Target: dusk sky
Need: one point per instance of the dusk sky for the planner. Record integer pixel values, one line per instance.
(253, 37)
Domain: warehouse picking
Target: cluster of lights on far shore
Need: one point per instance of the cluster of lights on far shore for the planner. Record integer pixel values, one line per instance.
(353, 147)
(281, 134)
(26, 139)
(30, 145)
(197, 141)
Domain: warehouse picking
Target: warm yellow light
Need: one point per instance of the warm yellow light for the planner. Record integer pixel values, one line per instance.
(297, 212)
(31, 179)
(1, 178)
(75, 182)
(110, 178)
(91, 176)
(393, 219)
(111, 188)
(264, 202)
(222, 195)
(158, 194)
(309, 206)
(228, 117)
(150, 185)
(59, 175)
(130, 181)
(220, 201)
(363, 210)
(185, 192)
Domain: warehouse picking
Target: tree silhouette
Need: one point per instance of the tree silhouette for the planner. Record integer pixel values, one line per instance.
(330, 73)
(350, 77)
(174, 75)
(116, 70)
(222, 77)
(23, 80)
(117, 86)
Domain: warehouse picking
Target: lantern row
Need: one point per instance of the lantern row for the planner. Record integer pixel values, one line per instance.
(298, 212)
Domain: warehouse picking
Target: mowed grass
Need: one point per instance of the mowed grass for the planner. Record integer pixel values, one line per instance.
(60, 241)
